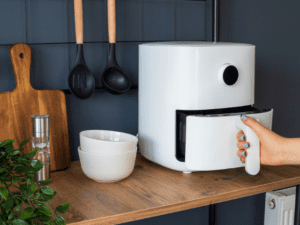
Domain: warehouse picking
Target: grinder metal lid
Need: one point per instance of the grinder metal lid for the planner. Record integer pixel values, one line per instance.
(40, 125)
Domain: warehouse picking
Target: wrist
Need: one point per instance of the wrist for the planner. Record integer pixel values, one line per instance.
(282, 152)
(286, 152)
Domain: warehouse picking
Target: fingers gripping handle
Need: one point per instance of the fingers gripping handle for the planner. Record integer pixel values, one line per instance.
(252, 161)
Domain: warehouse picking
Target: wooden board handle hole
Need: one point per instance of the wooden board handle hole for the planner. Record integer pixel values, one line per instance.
(21, 55)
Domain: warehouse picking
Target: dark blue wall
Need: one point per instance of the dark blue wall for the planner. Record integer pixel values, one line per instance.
(48, 27)
(273, 27)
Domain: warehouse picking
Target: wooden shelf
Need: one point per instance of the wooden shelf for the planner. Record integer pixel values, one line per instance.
(152, 190)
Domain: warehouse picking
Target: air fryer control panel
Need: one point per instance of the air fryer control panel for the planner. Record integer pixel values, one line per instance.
(181, 116)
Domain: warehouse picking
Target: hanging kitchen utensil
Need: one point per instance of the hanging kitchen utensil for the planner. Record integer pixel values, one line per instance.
(20, 104)
(114, 79)
(81, 80)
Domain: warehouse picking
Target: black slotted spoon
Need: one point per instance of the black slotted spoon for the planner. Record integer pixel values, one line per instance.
(81, 80)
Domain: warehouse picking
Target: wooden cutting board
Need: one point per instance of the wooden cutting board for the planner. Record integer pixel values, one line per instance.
(17, 106)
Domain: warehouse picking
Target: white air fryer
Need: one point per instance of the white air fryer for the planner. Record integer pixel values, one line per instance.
(191, 96)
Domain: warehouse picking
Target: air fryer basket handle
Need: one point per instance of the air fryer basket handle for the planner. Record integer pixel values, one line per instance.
(252, 161)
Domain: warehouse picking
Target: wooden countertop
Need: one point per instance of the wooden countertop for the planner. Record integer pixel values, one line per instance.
(152, 190)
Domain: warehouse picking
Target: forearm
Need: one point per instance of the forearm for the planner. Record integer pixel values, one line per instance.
(291, 151)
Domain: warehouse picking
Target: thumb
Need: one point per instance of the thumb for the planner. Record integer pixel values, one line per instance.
(260, 130)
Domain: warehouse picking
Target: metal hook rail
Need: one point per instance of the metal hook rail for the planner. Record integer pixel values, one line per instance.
(101, 89)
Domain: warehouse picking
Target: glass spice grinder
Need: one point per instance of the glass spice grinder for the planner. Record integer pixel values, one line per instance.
(40, 140)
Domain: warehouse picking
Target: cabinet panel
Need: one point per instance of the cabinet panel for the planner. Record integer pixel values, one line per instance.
(197, 216)
(247, 211)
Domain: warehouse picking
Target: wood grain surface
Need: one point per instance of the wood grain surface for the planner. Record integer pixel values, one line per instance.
(152, 190)
(111, 16)
(78, 14)
(18, 105)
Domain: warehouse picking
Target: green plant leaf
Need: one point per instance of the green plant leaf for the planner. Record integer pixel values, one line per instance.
(24, 161)
(15, 179)
(7, 173)
(3, 193)
(47, 191)
(11, 215)
(32, 170)
(32, 153)
(23, 156)
(19, 222)
(33, 215)
(59, 220)
(7, 142)
(16, 152)
(17, 201)
(17, 164)
(63, 208)
(30, 175)
(9, 148)
(33, 197)
(30, 181)
(43, 218)
(50, 223)
(9, 204)
(39, 203)
(36, 164)
(44, 210)
(21, 169)
(45, 182)
(5, 179)
(26, 213)
(31, 189)
(19, 207)
(3, 169)
(44, 198)
(24, 142)
(23, 188)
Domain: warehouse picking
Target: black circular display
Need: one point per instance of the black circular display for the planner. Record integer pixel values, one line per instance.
(230, 75)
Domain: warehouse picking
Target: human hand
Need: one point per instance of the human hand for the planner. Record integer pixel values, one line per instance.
(271, 144)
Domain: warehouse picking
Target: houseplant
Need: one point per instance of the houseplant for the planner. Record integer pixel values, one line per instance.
(22, 200)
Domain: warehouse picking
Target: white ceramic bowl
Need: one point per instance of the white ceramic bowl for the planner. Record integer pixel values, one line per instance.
(105, 141)
(107, 168)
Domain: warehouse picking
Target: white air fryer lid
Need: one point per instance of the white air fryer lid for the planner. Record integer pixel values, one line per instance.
(195, 44)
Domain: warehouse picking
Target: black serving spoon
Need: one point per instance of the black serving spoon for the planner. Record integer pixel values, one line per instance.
(114, 79)
(81, 80)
